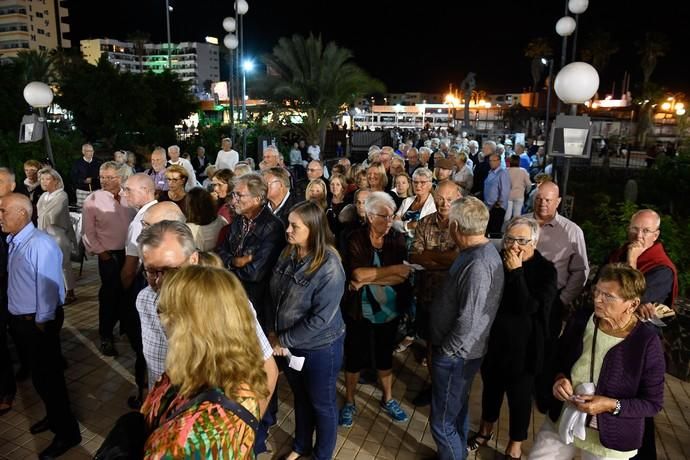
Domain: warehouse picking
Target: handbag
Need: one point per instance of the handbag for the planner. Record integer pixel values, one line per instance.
(127, 438)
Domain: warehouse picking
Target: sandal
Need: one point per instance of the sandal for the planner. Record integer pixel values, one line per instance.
(478, 440)
(404, 344)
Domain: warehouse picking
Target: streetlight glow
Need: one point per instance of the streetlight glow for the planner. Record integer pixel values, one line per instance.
(248, 65)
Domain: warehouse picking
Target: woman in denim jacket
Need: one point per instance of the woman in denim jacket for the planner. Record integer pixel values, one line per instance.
(306, 287)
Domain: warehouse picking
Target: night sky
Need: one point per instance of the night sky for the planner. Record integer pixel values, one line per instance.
(419, 46)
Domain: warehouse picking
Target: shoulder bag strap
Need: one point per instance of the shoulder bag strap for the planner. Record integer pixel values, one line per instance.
(217, 397)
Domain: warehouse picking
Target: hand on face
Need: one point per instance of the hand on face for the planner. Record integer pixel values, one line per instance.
(512, 257)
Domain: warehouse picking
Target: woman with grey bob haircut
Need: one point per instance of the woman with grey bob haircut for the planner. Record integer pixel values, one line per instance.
(378, 200)
(529, 222)
(470, 215)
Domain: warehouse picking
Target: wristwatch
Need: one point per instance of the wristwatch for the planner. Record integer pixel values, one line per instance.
(617, 410)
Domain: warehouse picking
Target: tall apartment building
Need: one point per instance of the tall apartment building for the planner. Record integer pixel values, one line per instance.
(193, 61)
(32, 25)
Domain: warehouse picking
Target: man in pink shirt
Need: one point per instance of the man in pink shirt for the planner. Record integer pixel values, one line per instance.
(105, 220)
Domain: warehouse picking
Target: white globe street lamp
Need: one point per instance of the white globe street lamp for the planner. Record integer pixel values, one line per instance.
(229, 24)
(576, 83)
(578, 6)
(565, 26)
(39, 95)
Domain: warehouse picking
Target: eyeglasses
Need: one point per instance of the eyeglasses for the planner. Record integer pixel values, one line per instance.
(384, 216)
(273, 182)
(157, 273)
(240, 195)
(608, 298)
(645, 231)
(173, 179)
(508, 240)
(420, 182)
(107, 178)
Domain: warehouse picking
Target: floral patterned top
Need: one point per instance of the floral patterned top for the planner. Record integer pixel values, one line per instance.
(203, 431)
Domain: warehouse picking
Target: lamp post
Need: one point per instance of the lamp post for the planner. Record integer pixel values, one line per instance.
(168, 9)
(577, 7)
(548, 104)
(39, 95)
(241, 8)
(231, 42)
(575, 83)
(564, 27)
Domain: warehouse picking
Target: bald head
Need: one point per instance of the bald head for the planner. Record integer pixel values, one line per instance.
(15, 212)
(7, 182)
(546, 202)
(166, 210)
(140, 190)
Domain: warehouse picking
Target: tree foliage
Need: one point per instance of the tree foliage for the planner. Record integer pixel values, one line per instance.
(124, 107)
(314, 79)
(598, 49)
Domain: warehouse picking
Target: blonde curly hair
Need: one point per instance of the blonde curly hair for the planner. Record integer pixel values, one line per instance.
(211, 333)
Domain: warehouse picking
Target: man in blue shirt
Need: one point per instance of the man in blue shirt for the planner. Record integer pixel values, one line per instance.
(36, 290)
(496, 194)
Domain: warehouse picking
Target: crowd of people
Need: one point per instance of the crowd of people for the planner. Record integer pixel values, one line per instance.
(223, 276)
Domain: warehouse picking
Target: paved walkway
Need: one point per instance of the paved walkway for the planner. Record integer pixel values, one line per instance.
(99, 388)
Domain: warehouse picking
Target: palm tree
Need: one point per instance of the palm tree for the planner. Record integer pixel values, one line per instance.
(651, 49)
(35, 65)
(536, 50)
(315, 80)
(598, 49)
(139, 39)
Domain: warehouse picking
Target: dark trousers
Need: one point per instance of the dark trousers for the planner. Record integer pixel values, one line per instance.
(110, 294)
(316, 408)
(43, 352)
(129, 319)
(267, 421)
(648, 449)
(8, 387)
(496, 217)
(519, 391)
(543, 383)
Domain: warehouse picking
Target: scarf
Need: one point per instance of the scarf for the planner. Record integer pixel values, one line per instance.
(653, 257)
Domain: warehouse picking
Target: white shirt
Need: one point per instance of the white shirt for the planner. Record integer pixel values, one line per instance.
(134, 230)
(314, 151)
(227, 160)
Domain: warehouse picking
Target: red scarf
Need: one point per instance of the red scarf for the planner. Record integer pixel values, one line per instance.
(653, 257)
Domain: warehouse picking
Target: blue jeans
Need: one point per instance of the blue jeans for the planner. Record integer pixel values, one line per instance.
(451, 382)
(315, 399)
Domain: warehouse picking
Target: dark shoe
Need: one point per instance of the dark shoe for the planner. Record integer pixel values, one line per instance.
(107, 348)
(477, 440)
(423, 398)
(40, 426)
(6, 409)
(134, 402)
(22, 374)
(59, 446)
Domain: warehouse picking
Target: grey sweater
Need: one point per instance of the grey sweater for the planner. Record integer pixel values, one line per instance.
(463, 311)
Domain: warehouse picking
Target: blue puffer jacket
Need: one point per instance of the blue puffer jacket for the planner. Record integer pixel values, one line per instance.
(307, 306)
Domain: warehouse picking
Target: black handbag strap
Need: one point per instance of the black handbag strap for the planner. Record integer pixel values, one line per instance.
(217, 397)
(594, 349)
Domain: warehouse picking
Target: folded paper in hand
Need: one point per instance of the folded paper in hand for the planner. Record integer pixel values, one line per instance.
(413, 266)
(295, 362)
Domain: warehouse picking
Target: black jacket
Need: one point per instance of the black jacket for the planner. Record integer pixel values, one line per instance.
(264, 240)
